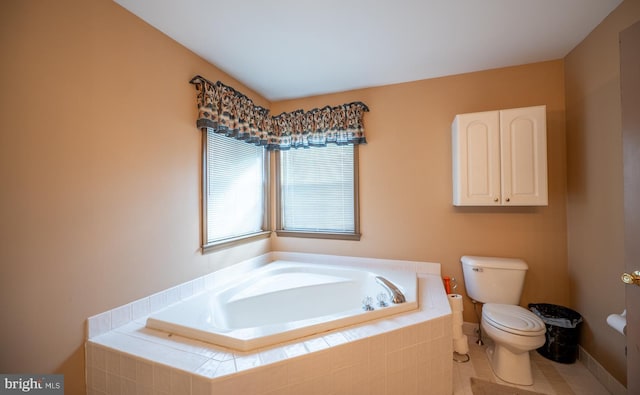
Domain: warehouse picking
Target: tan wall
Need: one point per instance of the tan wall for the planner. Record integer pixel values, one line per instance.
(100, 170)
(595, 186)
(406, 183)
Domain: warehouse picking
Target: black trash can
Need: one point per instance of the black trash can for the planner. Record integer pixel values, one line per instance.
(563, 325)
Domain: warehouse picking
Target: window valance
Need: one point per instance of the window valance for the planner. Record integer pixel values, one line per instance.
(227, 111)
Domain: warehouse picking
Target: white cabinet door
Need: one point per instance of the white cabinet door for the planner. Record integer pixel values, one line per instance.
(500, 158)
(476, 152)
(523, 151)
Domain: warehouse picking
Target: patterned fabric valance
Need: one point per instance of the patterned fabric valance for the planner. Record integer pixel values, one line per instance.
(227, 111)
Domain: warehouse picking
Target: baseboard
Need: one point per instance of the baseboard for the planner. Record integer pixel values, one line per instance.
(600, 373)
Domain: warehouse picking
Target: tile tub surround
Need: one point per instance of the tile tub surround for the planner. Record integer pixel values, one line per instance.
(407, 353)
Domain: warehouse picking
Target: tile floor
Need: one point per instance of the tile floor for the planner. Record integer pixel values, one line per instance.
(549, 377)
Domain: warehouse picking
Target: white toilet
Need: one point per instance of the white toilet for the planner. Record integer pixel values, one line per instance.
(498, 283)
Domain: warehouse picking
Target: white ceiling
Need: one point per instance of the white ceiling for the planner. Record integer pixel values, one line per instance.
(294, 48)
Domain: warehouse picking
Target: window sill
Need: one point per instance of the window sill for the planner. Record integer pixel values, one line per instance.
(235, 241)
(319, 235)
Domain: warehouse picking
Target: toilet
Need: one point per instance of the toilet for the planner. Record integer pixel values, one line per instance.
(514, 330)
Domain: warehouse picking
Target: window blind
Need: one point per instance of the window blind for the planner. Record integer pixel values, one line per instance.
(317, 189)
(235, 183)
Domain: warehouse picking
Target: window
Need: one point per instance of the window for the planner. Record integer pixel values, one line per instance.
(318, 192)
(235, 185)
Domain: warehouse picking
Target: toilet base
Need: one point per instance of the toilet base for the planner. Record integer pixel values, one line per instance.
(510, 367)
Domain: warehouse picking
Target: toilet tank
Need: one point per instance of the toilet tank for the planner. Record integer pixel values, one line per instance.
(494, 280)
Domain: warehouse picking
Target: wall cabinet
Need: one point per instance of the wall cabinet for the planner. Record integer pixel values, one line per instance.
(500, 158)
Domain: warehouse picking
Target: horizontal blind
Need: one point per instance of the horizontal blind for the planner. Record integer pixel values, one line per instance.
(235, 187)
(317, 189)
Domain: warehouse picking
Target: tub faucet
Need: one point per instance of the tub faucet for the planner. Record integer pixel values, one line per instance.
(394, 293)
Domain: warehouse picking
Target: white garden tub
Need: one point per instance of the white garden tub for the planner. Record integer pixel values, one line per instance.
(282, 301)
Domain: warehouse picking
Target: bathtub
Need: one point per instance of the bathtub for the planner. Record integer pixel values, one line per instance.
(282, 301)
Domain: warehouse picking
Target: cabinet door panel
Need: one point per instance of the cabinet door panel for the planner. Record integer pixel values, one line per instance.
(476, 159)
(524, 156)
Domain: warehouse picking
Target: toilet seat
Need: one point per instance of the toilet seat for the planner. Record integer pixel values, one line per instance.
(513, 319)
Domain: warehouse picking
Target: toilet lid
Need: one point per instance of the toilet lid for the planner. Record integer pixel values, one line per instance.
(513, 319)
